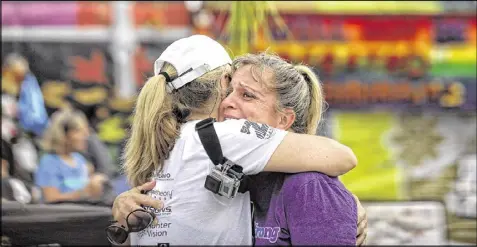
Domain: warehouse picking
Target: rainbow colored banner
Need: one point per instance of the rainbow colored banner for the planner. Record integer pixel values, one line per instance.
(91, 13)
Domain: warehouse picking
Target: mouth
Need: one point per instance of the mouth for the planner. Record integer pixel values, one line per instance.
(228, 117)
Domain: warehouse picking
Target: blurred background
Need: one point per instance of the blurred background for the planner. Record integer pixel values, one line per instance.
(399, 78)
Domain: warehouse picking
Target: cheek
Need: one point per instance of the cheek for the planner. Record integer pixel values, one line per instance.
(79, 140)
(261, 114)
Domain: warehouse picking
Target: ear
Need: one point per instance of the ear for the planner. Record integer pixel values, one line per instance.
(224, 83)
(287, 118)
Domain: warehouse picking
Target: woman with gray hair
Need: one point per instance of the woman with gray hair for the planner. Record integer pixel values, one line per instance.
(291, 209)
(165, 147)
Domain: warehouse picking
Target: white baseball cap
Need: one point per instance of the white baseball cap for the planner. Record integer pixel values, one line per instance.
(192, 57)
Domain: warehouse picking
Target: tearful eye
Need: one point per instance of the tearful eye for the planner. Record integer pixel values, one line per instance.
(248, 95)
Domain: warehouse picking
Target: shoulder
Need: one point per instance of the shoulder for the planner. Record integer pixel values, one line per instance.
(298, 180)
(48, 159)
(235, 128)
(224, 127)
(48, 163)
(319, 211)
(246, 128)
(79, 157)
(318, 185)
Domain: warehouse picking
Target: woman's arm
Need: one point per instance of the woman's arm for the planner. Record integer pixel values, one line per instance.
(302, 153)
(53, 194)
(93, 190)
(259, 147)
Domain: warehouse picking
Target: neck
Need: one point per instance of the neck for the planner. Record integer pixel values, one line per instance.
(65, 155)
(200, 116)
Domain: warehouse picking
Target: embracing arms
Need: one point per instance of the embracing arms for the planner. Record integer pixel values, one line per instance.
(301, 153)
(259, 147)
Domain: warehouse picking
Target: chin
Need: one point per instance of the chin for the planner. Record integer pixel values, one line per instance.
(81, 149)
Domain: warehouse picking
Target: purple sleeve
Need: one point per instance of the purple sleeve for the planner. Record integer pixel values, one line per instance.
(322, 214)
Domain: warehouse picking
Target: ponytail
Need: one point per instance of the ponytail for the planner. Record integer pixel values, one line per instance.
(154, 130)
(315, 108)
(157, 119)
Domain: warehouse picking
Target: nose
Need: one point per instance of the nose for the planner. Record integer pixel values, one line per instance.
(229, 102)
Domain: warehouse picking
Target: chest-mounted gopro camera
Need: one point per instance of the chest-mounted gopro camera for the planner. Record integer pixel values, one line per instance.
(226, 178)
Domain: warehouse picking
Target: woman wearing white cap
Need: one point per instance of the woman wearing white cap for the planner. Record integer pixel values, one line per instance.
(164, 147)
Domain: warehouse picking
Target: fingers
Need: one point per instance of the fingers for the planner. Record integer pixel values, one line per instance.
(129, 201)
(147, 186)
(132, 200)
(362, 227)
(362, 217)
(361, 240)
(123, 207)
(361, 213)
(146, 200)
(362, 232)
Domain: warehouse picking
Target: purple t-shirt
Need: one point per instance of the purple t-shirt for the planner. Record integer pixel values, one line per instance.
(302, 209)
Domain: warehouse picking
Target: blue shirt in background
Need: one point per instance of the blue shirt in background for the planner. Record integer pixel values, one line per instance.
(54, 172)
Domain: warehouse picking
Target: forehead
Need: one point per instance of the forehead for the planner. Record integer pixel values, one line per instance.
(258, 77)
(76, 121)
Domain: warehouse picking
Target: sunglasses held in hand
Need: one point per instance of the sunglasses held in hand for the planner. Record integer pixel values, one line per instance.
(136, 221)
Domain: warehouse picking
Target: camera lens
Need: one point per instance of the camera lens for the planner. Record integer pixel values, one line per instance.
(212, 184)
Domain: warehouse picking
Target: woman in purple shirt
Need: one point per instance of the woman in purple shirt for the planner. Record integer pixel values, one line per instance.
(290, 209)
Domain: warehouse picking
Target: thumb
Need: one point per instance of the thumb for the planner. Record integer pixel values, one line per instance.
(147, 186)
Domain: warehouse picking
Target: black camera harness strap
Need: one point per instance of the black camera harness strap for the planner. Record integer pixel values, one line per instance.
(210, 141)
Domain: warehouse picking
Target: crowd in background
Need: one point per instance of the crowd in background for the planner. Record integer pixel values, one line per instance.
(50, 159)
(399, 79)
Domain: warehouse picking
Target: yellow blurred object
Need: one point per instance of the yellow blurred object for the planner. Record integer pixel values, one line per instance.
(376, 176)
(350, 7)
(378, 7)
(54, 93)
(248, 25)
(454, 53)
(9, 85)
(122, 104)
(455, 96)
(90, 96)
(111, 130)
(342, 50)
(297, 51)
(14, 69)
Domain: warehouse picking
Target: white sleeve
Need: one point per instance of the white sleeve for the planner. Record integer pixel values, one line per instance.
(246, 143)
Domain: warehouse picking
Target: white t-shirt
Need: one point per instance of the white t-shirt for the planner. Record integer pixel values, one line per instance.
(193, 215)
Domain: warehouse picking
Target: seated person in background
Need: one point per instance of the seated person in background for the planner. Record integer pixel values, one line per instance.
(13, 189)
(64, 174)
(97, 152)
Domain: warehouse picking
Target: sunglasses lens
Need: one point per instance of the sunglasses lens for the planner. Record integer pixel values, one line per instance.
(139, 220)
(116, 234)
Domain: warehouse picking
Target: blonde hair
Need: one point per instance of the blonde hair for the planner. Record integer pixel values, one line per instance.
(297, 87)
(54, 138)
(155, 127)
(316, 96)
